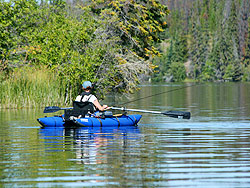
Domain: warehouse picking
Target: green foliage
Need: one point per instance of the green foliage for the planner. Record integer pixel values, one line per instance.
(161, 72)
(131, 29)
(176, 53)
(103, 42)
(63, 45)
(171, 65)
(47, 35)
(209, 71)
(246, 59)
(177, 70)
(199, 42)
(246, 73)
(179, 51)
(225, 52)
(216, 41)
(16, 19)
(137, 23)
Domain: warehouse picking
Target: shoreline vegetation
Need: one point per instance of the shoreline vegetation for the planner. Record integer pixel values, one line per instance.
(48, 48)
(31, 87)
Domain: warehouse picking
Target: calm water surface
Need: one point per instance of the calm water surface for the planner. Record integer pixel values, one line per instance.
(212, 149)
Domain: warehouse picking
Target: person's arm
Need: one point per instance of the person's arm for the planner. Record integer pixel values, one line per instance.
(100, 107)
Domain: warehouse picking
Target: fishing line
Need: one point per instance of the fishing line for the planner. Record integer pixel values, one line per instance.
(160, 93)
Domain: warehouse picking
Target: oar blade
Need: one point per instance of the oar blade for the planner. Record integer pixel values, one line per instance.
(51, 109)
(177, 114)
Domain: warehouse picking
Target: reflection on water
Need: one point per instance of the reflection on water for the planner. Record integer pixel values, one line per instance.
(210, 150)
(89, 143)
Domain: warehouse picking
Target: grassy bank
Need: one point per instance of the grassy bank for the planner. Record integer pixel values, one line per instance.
(30, 87)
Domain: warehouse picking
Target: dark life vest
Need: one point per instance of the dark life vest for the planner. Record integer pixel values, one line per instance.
(88, 106)
(80, 108)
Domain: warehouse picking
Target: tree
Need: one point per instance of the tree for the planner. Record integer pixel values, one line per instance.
(175, 50)
(199, 49)
(133, 28)
(225, 48)
(107, 42)
(233, 69)
(163, 63)
(137, 23)
(244, 9)
(246, 57)
(17, 18)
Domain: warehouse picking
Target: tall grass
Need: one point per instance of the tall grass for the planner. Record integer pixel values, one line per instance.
(31, 87)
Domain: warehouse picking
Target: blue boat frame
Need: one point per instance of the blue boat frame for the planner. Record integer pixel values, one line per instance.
(113, 121)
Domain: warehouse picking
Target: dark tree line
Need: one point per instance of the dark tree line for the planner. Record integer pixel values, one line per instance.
(207, 38)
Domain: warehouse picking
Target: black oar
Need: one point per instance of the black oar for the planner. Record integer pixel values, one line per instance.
(174, 114)
(51, 109)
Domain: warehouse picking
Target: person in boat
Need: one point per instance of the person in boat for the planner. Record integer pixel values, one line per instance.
(86, 96)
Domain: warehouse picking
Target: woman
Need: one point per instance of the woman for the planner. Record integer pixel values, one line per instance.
(86, 96)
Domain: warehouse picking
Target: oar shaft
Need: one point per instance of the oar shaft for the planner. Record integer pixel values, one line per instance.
(136, 110)
(174, 114)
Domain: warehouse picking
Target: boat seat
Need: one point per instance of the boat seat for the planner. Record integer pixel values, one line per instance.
(88, 106)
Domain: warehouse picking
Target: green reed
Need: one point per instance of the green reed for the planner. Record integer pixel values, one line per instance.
(31, 87)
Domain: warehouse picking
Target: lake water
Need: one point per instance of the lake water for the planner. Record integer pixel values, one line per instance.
(212, 149)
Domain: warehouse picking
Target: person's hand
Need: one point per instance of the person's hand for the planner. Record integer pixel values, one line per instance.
(105, 106)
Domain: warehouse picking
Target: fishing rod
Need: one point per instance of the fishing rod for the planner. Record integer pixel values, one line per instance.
(174, 114)
(158, 94)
